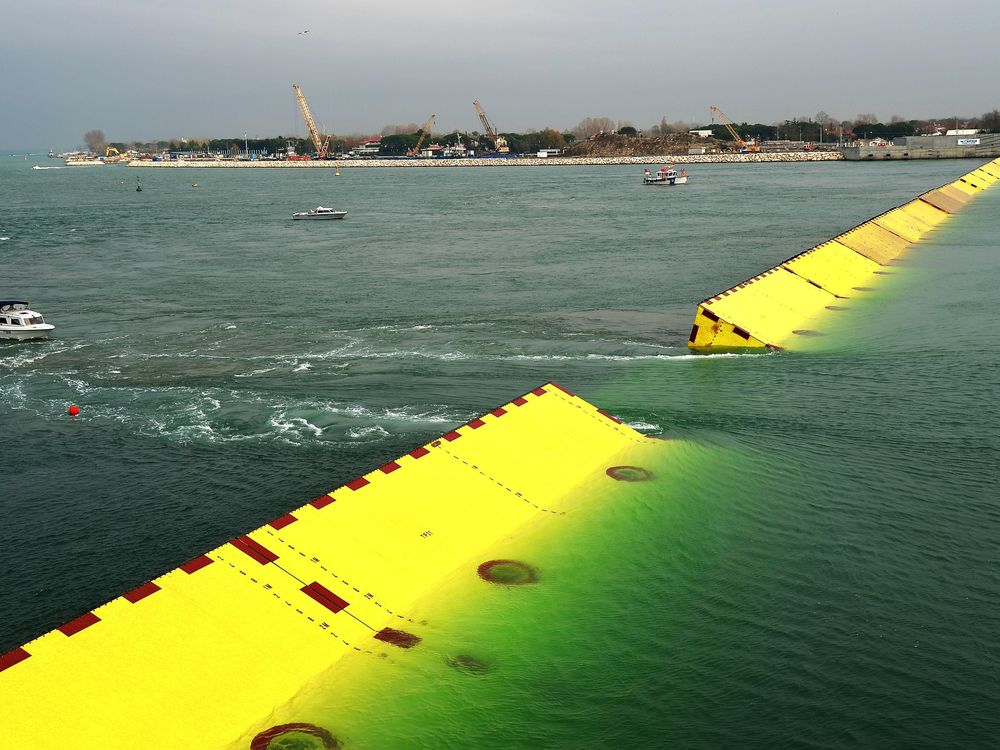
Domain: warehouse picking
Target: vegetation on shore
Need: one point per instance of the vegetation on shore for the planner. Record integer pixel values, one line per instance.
(663, 137)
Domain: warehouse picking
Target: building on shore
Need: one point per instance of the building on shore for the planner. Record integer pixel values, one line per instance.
(367, 149)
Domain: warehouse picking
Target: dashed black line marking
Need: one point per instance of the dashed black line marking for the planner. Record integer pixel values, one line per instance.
(318, 563)
(597, 417)
(325, 626)
(501, 484)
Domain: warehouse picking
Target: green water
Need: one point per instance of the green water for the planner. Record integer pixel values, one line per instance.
(814, 565)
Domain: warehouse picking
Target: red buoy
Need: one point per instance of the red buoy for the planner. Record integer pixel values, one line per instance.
(74, 410)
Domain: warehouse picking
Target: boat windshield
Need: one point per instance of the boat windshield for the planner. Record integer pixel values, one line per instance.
(35, 321)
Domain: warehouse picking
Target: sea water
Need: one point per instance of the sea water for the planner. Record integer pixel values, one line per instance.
(814, 566)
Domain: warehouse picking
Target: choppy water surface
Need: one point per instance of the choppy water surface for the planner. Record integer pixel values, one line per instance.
(815, 565)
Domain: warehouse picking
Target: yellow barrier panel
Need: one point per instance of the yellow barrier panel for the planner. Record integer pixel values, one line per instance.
(874, 242)
(967, 186)
(911, 221)
(765, 303)
(758, 313)
(203, 654)
(985, 175)
(946, 198)
(834, 267)
(709, 331)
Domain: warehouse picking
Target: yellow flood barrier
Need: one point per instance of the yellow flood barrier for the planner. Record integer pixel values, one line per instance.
(772, 309)
(202, 655)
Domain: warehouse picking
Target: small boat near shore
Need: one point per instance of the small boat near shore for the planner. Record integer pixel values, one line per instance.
(319, 213)
(665, 176)
(19, 323)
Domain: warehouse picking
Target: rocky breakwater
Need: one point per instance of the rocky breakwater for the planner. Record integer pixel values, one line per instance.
(526, 161)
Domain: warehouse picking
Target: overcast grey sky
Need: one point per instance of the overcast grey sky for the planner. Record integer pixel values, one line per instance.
(144, 70)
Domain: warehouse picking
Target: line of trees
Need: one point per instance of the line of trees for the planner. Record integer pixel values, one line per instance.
(397, 139)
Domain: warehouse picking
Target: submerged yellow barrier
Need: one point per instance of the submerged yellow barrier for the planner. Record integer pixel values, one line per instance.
(199, 656)
(770, 310)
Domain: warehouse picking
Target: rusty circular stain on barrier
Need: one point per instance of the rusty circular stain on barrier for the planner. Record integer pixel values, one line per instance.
(468, 664)
(400, 638)
(507, 572)
(629, 473)
(263, 740)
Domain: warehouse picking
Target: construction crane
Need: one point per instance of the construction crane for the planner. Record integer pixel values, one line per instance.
(728, 124)
(424, 134)
(322, 144)
(499, 142)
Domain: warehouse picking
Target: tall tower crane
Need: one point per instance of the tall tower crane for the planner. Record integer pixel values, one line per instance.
(424, 135)
(728, 124)
(322, 145)
(499, 142)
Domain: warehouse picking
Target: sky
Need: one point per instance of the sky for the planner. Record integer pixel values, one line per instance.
(141, 70)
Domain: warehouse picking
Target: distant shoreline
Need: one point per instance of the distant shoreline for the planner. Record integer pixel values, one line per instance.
(556, 161)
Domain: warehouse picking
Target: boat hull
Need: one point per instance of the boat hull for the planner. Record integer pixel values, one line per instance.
(319, 217)
(26, 333)
(668, 182)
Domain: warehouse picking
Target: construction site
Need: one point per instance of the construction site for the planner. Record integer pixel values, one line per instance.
(722, 140)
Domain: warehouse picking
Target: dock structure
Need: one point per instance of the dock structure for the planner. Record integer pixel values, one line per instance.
(908, 148)
(204, 654)
(772, 310)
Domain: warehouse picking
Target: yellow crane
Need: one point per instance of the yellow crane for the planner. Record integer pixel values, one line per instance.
(499, 142)
(728, 124)
(322, 144)
(424, 135)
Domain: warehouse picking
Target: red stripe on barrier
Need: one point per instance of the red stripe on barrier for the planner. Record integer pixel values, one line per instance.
(141, 592)
(605, 414)
(324, 596)
(279, 523)
(476, 424)
(389, 467)
(519, 401)
(419, 452)
(539, 391)
(197, 564)
(358, 483)
(80, 623)
(321, 502)
(498, 412)
(568, 393)
(452, 436)
(254, 549)
(12, 657)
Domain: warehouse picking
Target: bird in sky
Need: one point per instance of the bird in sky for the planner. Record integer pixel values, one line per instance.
(302, 32)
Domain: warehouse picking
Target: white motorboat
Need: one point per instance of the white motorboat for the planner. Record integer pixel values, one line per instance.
(319, 213)
(665, 176)
(18, 322)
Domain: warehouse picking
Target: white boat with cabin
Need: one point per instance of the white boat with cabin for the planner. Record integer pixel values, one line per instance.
(19, 323)
(665, 176)
(319, 213)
